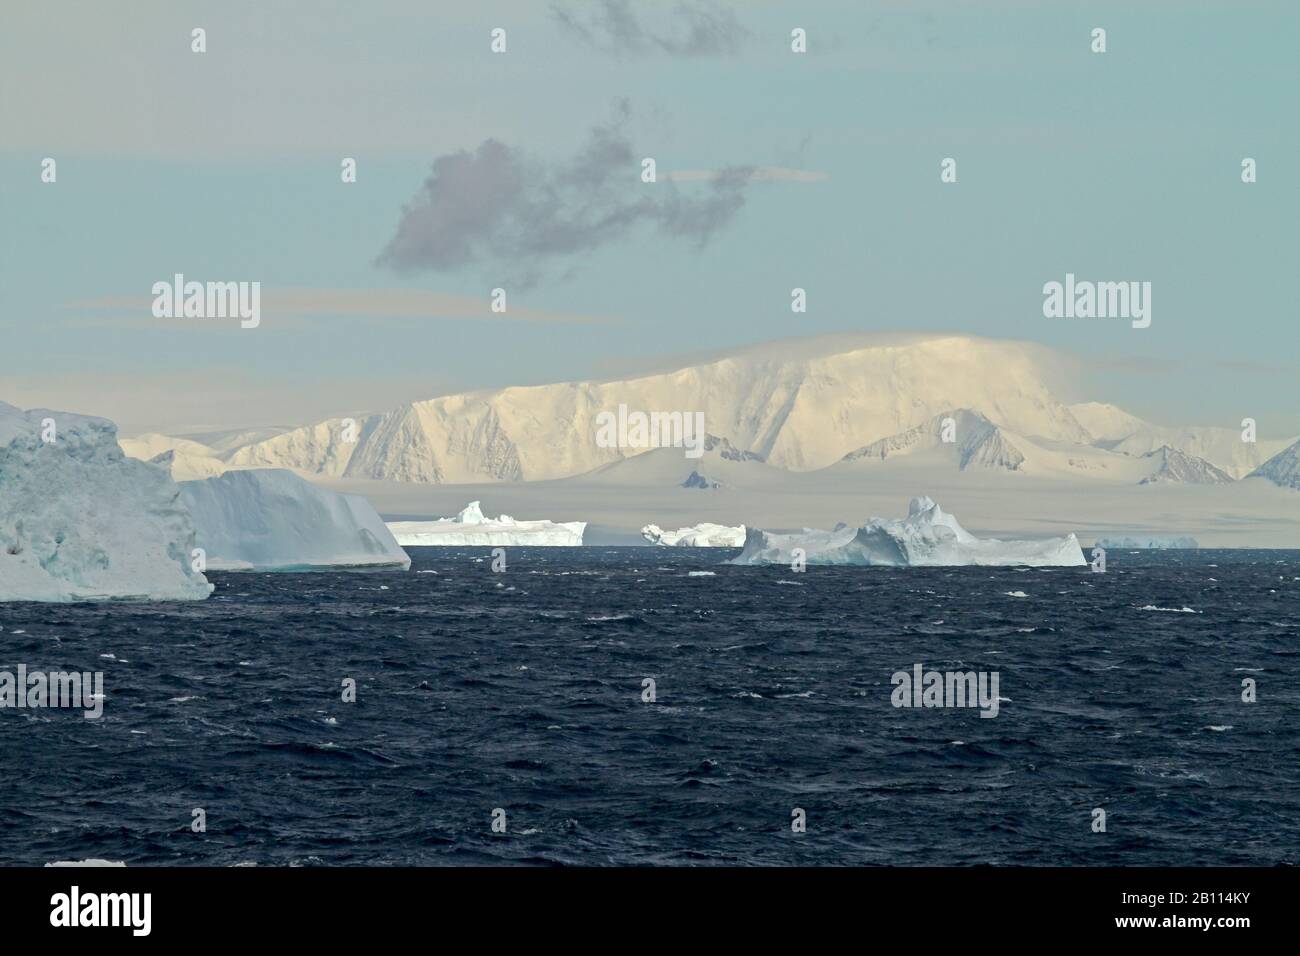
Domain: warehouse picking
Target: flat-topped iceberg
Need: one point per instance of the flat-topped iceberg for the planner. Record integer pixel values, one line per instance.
(927, 537)
(703, 535)
(79, 521)
(471, 528)
(1149, 542)
(273, 520)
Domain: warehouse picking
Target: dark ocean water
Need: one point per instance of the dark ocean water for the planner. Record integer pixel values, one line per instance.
(522, 690)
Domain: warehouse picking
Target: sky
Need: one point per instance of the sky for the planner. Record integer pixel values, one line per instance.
(522, 170)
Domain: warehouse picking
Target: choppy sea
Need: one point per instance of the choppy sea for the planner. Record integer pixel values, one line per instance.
(520, 697)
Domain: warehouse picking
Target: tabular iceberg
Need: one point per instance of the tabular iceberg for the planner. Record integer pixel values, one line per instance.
(273, 520)
(1146, 542)
(927, 537)
(471, 529)
(79, 521)
(703, 535)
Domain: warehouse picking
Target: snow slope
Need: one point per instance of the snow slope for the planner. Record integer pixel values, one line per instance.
(470, 528)
(928, 536)
(800, 405)
(80, 521)
(275, 520)
(703, 535)
(183, 467)
(1117, 430)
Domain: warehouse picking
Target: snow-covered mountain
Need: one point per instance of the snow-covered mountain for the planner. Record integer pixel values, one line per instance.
(800, 405)
(1115, 429)
(1177, 467)
(1283, 468)
(972, 440)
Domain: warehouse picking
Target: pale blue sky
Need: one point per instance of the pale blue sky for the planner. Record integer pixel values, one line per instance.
(226, 166)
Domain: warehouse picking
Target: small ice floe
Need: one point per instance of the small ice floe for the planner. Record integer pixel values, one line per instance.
(1218, 727)
(91, 862)
(1016, 594)
(181, 700)
(701, 574)
(109, 657)
(1170, 610)
(332, 721)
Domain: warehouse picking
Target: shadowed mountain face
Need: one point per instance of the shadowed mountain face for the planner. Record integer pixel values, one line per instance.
(974, 441)
(1283, 468)
(1186, 469)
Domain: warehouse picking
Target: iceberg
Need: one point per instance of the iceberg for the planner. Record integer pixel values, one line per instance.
(703, 535)
(471, 528)
(1148, 542)
(273, 520)
(927, 537)
(80, 521)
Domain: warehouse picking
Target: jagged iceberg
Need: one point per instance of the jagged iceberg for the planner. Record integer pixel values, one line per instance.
(79, 521)
(928, 536)
(703, 535)
(273, 520)
(471, 528)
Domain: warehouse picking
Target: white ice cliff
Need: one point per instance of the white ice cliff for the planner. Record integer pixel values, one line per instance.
(271, 519)
(703, 535)
(79, 521)
(470, 529)
(926, 537)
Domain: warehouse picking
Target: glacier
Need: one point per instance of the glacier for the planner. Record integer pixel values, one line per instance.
(470, 528)
(273, 520)
(927, 537)
(80, 521)
(703, 535)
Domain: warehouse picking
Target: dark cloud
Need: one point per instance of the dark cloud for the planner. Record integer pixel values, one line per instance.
(701, 28)
(498, 207)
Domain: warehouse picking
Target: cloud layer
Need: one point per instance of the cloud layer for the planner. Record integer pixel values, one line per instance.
(498, 207)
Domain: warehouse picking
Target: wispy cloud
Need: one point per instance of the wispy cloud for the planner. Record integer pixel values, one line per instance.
(296, 307)
(502, 208)
(694, 29)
